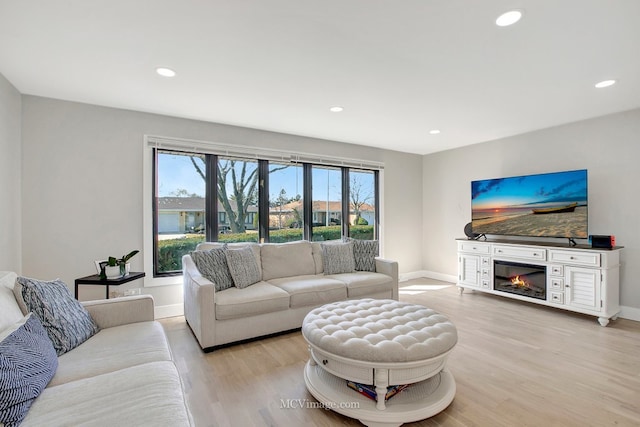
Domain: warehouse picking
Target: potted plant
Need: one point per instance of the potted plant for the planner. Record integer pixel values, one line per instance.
(119, 267)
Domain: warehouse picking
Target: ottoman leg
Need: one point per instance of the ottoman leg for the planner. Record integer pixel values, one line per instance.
(381, 377)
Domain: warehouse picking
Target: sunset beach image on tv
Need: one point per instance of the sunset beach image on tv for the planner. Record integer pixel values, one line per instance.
(543, 205)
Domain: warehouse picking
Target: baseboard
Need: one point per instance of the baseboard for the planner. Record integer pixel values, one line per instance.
(630, 313)
(172, 310)
(427, 274)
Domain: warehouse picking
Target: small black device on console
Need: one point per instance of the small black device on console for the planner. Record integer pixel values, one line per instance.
(601, 241)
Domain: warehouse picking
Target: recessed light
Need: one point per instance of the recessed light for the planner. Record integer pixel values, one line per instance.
(165, 72)
(509, 18)
(605, 83)
(434, 131)
(336, 109)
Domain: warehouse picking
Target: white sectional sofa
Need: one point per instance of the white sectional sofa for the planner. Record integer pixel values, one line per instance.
(292, 283)
(122, 376)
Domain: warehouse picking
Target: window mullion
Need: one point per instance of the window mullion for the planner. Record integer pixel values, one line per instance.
(307, 201)
(345, 202)
(211, 197)
(263, 201)
(376, 203)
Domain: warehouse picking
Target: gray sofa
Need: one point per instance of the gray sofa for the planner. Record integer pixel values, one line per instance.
(292, 283)
(122, 376)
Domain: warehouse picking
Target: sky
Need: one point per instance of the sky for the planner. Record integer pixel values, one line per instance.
(177, 172)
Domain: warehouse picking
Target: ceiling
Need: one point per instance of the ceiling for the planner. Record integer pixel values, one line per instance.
(398, 68)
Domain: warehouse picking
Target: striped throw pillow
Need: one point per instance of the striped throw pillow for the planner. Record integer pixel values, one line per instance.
(28, 361)
(66, 321)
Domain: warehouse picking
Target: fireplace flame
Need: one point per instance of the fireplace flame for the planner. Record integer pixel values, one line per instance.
(517, 281)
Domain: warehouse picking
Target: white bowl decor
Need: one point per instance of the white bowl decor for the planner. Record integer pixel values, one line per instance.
(112, 271)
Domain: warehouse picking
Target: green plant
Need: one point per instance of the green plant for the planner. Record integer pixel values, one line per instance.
(118, 262)
(113, 261)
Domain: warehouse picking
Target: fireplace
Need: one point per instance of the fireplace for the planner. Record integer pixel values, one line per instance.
(521, 279)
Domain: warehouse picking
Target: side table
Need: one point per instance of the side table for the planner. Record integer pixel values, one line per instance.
(95, 279)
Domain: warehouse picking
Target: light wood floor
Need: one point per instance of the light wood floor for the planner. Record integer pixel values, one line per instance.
(515, 364)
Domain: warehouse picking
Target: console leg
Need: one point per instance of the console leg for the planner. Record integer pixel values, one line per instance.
(603, 321)
(460, 289)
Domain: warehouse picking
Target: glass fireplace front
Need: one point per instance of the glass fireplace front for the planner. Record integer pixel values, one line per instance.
(522, 279)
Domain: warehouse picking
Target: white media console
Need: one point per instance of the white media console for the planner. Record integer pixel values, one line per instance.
(575, 278)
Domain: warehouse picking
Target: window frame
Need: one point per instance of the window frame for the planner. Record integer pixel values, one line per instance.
(150, 210)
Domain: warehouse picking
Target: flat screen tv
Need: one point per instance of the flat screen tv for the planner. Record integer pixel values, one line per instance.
(542, 205)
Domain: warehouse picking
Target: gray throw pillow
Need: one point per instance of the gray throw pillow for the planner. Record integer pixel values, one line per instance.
(243, 267)
(66, 321)
(212, 264)
(365, 253)
(338, 258)
(28, 361)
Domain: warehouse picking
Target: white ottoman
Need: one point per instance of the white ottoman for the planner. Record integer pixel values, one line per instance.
(383, 343)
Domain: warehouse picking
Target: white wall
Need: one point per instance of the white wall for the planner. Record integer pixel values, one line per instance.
(82, 186)
(10, 164)
(607, 146)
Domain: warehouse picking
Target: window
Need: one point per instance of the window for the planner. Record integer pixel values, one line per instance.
(238, 198)
(180, 208)
(327, 203)
(215, 196)
(362, 204)
(286, 204)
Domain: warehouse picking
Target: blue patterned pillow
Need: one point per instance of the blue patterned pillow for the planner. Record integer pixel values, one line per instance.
(66, 321)
(28, 361)
(212, 264)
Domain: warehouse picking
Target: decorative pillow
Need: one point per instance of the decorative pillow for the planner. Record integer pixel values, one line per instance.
(28, 361)
(10, 311)
(338, 258)
(212, 264)
(243, 267)
(365, 253)
(66, 321)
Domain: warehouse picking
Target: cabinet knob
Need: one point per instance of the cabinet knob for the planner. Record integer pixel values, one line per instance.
(567, 286)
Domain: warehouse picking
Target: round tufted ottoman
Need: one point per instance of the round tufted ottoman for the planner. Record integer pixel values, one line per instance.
(380, 343)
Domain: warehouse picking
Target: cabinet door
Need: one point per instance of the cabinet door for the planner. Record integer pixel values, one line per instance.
(469, 270)
(582, 287)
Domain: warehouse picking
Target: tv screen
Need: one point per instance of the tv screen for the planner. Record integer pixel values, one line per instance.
(543, 205)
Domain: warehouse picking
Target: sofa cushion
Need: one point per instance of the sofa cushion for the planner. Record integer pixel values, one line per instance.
(212, 264)
(365, 283)
(311, 290)
(205, 246)
(256, 299)
(146, 395)
(66, 321)
(338, 258)
(113, 349)
(243, 267)
(27, 363)
(10, 312)
(364, 254)
(286, 260)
